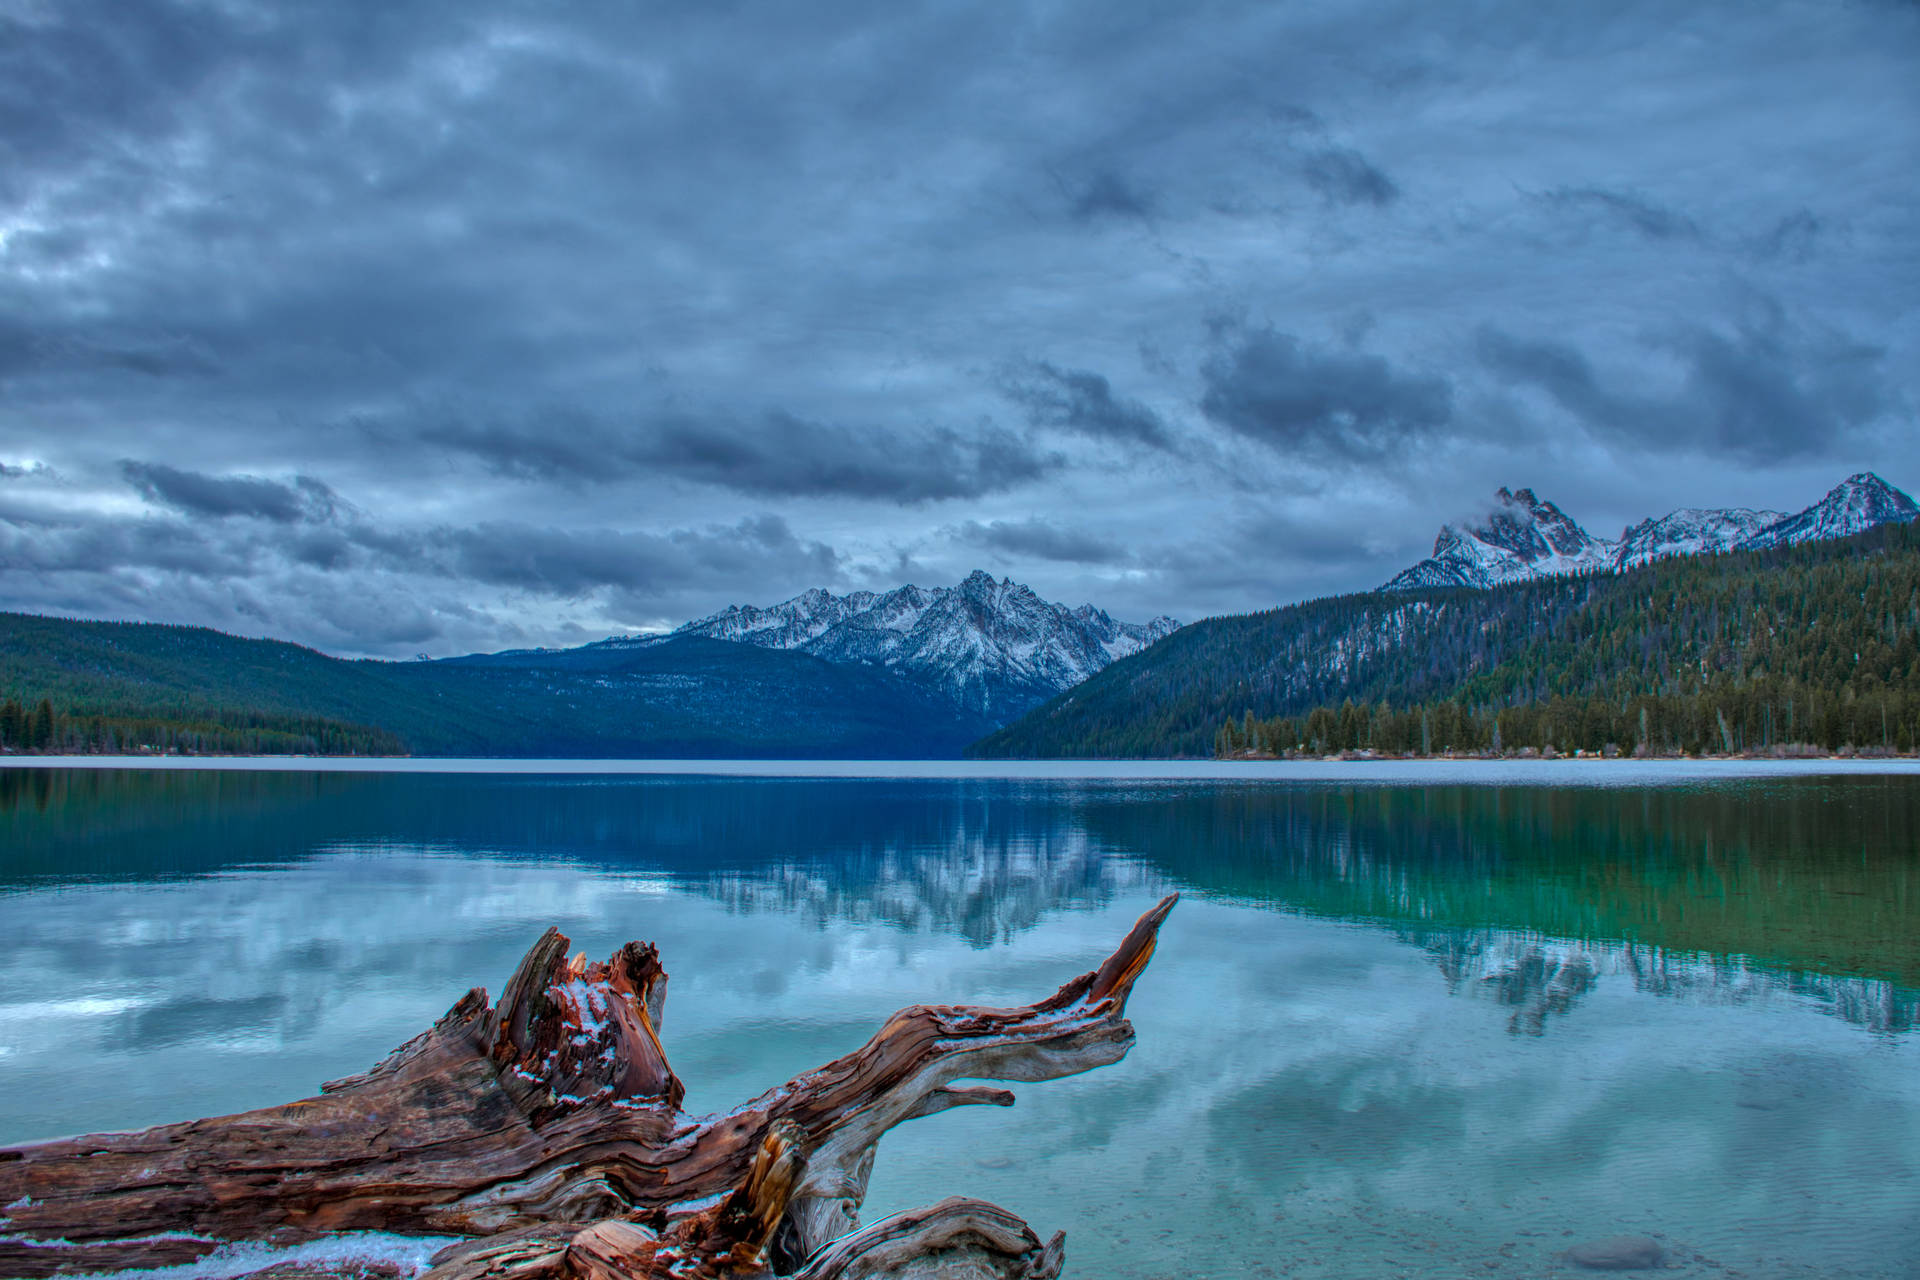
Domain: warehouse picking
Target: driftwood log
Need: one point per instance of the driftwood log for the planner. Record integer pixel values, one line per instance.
(547, 1129)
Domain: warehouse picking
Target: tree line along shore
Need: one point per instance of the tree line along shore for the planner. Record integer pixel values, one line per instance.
(1753, 722)
(1808, 648)
(1812, 649)
(43, 730)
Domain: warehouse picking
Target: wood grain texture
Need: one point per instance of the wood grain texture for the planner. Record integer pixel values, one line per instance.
(547, 1127)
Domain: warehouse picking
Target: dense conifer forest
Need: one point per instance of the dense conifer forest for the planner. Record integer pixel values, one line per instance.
(1809, 648)
(185, 731)
(140, 688)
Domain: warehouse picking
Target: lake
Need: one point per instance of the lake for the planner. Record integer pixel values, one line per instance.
(1406, 1021)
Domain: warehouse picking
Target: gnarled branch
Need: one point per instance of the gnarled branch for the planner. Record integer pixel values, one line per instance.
(549, 1127)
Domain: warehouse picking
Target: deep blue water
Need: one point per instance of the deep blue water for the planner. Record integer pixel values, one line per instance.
(1405, 1024)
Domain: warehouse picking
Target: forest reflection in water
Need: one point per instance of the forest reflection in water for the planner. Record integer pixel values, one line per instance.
(1804, 875)
(1449, 1017)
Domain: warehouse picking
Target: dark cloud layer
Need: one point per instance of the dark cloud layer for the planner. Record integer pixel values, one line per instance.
(1624, 209)
(453, 324)
(544, 559)
(1043, 540)
(219, 496)
(777, 454)
(1347, 177)
(1082, 401)
(218, 569)
(573, 562)
(1794, 238)
(1761, 393)
(26, 349)
(1321, 403)
(1108, 194)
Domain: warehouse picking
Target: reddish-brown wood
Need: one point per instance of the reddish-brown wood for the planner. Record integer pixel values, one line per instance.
(548, 1127)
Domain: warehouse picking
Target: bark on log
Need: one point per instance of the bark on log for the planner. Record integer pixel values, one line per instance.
(548, 1127)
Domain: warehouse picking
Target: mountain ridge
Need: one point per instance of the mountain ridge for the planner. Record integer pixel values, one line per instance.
(1860, 502)
(904, 673)
(138, 685)
(1822, 634)
(994, 649)
(910, 671)
(1525, 537)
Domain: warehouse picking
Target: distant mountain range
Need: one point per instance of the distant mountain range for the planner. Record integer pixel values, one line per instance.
(1810, 643)
(912, 671)
(908, 673)
(992, 649)
(1527, 537)
(131, 686)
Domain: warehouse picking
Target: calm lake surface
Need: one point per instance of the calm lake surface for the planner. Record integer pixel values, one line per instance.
(1403, 1023)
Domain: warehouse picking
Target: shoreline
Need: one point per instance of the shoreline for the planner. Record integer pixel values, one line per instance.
(1562, 770)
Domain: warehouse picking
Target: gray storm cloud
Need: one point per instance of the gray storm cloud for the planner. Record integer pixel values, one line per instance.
(776, 454)
(1626, 210)
(1347, 177)
(461, 325)
(1758, 394)
(196, 494)
(1084, 402)
(1316, 403)
(1038, 539)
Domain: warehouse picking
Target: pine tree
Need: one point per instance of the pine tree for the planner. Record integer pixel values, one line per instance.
(42, 733)
(13, 724)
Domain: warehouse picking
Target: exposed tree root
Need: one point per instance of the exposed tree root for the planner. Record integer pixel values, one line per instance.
(548, 1128)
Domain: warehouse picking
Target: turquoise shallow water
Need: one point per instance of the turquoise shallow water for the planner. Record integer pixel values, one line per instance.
(1394, 1028)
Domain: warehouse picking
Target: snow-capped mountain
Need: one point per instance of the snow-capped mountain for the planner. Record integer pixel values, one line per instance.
(789, 625)
(993, 648)
(1690, 531)
(1523, 537)
(1527, 537)
(1856, 504)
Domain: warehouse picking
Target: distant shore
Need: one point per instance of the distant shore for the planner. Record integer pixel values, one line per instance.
(1564, 770)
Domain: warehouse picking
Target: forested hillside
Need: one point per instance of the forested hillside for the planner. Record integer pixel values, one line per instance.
(133, 687)
(1803, 646)
(697, 697)
(1813, 644)
(128, 687)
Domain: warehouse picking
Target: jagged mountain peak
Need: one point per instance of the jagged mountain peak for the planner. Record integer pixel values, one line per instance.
(992, 646)
(1690, 531)
(1860, 502)
(1097, 617)
(1868, 480)
(1522, 536)
(1525, 536)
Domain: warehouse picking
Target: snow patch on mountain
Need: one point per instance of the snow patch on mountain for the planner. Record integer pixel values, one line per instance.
(1523, 537)
(994, 648)
(1690, 531)
(1526, 537)
(1858, 503)
(789, 625)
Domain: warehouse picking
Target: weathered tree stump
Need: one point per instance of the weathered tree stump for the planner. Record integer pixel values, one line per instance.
(548, 1129)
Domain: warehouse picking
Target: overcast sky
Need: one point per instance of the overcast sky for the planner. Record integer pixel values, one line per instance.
(431, 327)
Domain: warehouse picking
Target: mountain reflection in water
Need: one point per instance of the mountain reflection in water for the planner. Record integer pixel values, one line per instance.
(1696, 892)
(1392, 1029)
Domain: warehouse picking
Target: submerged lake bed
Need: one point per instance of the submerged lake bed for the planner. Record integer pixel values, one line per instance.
(1402, 1023)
